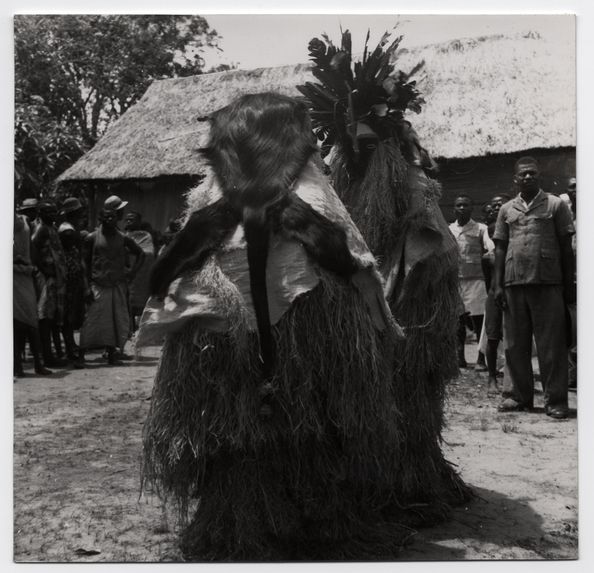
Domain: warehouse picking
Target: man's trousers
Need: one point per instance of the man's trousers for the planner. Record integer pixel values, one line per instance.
(539, 311)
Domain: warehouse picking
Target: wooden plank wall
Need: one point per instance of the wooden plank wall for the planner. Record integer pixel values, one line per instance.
(158, 200)
(481, 178)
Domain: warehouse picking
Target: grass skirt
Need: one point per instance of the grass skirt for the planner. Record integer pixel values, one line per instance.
(319, 479)
(425, 362)
(426, 304)
(393, 206)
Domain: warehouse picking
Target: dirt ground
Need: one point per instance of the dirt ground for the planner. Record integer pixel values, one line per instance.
(77, 439)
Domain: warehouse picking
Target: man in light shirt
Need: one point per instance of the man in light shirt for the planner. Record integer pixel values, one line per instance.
(473, 243)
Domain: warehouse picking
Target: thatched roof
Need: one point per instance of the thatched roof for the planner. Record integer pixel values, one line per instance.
(484, 96)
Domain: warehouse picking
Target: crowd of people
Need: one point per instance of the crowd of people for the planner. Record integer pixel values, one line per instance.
(67, 279)
(518, 285)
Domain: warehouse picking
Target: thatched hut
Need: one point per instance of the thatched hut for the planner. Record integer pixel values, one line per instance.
(150, 156)
(489, 100)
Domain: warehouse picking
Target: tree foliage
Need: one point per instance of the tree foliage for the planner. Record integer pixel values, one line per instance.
(43, 147)
(75, 74)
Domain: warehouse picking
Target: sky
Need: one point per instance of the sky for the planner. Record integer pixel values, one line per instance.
(265, 40)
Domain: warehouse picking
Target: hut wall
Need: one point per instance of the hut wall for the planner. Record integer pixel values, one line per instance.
(160, 200)
(481, 178)
(157, 200)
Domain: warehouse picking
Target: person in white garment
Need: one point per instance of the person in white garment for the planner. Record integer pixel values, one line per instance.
(473, 243)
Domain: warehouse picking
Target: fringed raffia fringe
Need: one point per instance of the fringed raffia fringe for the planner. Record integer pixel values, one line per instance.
(426, 361)
(317, 480)
(377, 202)
(426, 307)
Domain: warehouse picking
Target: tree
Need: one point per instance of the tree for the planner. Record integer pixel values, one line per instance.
(43, 147)
(75, 74)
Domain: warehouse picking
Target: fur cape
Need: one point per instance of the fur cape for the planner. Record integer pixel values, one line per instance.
(315, 231)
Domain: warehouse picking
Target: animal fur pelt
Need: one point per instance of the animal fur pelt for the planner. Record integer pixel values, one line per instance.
(202, 234)
(256, 164)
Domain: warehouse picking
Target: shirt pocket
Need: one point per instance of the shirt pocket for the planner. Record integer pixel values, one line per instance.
(541, 223)
(542, 217)
(550, 264)
(540, 228)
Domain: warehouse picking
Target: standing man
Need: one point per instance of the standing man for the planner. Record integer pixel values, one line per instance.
(107, 324)
(29, 209)
(533, 283)
(493, 324)
(24, 299)
(49, 260)
(570, 198)
(77, 290)
(473, 242)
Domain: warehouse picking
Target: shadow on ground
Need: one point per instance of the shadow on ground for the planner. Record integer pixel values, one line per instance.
(90, 364)
(513, 530)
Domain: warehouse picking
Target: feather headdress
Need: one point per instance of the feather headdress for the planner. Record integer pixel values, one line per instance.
(355, 101)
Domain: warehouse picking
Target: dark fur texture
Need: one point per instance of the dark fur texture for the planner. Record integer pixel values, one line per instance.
(203, 234)
(258, 147)
(324, 241)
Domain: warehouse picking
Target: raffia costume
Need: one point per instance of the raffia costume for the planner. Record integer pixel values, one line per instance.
(288, 447)
(380, 171)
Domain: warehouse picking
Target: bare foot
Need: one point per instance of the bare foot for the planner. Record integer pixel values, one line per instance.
(492, 386)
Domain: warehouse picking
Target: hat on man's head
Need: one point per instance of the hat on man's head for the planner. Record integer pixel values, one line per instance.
(29, 203)
(114, 203)
(65, 227)
(47, 205)
(71, 205)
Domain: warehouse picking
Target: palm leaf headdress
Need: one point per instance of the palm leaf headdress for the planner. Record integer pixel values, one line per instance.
(354, 98)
